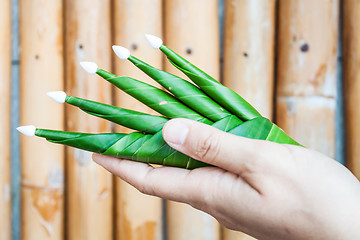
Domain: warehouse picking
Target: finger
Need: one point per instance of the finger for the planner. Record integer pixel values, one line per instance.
(169, 183)
(208, 144)
(195, 187)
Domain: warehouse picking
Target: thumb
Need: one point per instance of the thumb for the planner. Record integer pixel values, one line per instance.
(208, 144)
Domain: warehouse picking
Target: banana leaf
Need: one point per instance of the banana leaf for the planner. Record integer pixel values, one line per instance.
(221, 94)
(151, 148)
(209, 102)
(128, 118)
(155, 98)
(134, 146)
(188, 93)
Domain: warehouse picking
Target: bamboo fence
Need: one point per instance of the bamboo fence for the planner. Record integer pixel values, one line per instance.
(90, 188)
(279, 55)
(306, 72)
(351, 49)
(41, 71)
(5, 71)
(138, 217)
(249, 51)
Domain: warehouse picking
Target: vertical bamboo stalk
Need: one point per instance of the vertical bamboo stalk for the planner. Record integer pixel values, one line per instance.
(89, 189)
(41, 70)
(233, 235)
(307, 43)
(138, 217)
(5, 69)
(249, 58)
(249, 51)
(192, 30)
(351, 50)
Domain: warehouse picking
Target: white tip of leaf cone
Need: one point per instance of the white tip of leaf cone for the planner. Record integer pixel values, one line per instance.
(154, 41)
(27, 130)
(57, 96)
(121, 52)
(90, 67)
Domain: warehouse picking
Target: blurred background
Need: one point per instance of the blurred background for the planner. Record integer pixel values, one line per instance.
(297, 61)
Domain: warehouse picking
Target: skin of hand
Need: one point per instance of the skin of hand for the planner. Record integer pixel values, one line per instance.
(265, 189)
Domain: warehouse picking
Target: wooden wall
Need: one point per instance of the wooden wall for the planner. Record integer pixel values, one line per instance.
(282, 56)
(41, 70)
(5, 75)
(89, 213)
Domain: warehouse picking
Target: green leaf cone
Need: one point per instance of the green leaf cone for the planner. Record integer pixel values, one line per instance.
(153, 97)
(97, 143)
(128, 118)
(221, 94)
(134, 146)
(152, 148)
(186, 92)
(203, 105)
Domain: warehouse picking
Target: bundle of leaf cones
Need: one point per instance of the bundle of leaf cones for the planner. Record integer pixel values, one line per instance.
(207, 101)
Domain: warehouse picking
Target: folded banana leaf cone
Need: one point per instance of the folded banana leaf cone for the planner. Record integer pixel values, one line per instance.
(206, 101)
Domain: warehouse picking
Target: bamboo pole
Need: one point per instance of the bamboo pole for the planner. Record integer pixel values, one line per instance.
(41, 70)
(249, 58)
(138, 217)
(307, 57)
(89, 189)
(192, 30)
(351, 51)
(5, 69)
(233, 235)
(249, 51)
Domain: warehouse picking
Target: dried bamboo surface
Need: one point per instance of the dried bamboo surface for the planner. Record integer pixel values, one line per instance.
(249, 59)
(138, 217)
(5, 69)
(306, 72)
(89, 187)
(42, 163)
(351, 51)
(194, 34)
(234, 235)
(249, 51)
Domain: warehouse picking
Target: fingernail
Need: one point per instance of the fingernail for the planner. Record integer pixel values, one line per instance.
(175, 132)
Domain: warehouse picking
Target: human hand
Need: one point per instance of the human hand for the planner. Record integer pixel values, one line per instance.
(265, 189)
